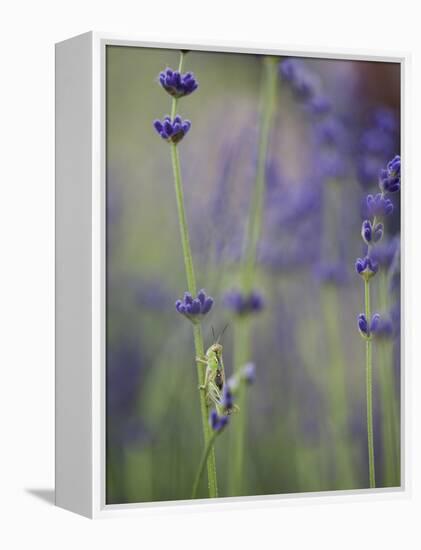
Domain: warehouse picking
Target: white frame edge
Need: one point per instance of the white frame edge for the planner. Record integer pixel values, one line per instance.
(74, 406)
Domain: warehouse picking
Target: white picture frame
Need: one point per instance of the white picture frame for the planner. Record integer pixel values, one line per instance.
(80, 277)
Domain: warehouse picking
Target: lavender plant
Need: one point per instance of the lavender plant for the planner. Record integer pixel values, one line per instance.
(372, 230)
(173, 129)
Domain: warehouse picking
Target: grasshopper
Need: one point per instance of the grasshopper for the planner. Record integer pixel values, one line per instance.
(214, 383)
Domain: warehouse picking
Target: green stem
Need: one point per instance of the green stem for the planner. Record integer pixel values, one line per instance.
(369, 389)
(191, 285)
(184, 231)
(202, 463)
(237, 433)
(268, 101)
(390, 425)
(242, 327)
(388, 396)
(345, 477)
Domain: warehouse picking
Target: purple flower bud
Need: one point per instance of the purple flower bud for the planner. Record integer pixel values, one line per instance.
(367, 329)
(363, 325)
(378, 232)
(366, 232)
(194, 308)
(176, 84)
(371, 234)
(227, 399)
(172, 131)
(201, 296)
(390, 178)
(366, 267)
(207, 306)
(216, 422)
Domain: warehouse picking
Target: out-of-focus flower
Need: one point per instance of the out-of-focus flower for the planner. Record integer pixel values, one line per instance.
(384, 253)
(172, 131)
(227, 399)
(217, 422)
(248, 373)
(331, 273)
(378, 205)
(390, 177)
(305, 85)
(177, 84)
(377, 144)
(242, 304)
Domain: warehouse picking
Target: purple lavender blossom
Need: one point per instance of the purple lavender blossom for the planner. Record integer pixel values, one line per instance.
(242, 304)
(384, 253)
(371, 233)
(367, 329)
(379, 206)
(177, 84)
(366, 267)
(304, 85)
(384, 327)
(217, 422)
(390, 177)
(172, 131)
(194, 308)
(227, 399)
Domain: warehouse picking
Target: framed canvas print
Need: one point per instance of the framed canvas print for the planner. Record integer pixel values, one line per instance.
(228, 262)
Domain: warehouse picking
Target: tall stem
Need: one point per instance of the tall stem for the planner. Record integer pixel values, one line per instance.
(389, 400)
(254, 226)
(202, 463)
(242, 329)
(369, 389)
(191, 285)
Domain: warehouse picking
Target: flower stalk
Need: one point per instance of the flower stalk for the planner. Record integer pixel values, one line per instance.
(173, 130)
(372, 233)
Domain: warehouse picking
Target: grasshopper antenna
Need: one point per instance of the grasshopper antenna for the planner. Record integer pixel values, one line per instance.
(222, 333)
(213, 333)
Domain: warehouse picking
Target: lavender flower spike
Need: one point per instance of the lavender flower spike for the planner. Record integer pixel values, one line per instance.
(194, 308)
(366, 267)
(390, 178)
(177, 84)
(172, 131)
